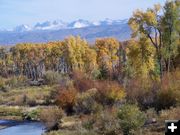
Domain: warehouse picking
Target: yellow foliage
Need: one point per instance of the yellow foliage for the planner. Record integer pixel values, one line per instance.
(107, 52)
(141, 57)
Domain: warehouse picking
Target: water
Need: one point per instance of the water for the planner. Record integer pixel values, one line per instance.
(21, 128)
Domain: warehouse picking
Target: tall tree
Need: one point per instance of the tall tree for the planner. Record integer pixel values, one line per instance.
(141, 57)
(148, 23)
(170, 32)
(107, 54)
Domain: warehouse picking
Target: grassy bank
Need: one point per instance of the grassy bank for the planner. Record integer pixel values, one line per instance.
(25, 96)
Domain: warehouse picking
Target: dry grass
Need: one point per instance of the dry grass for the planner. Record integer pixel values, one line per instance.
(18, 96)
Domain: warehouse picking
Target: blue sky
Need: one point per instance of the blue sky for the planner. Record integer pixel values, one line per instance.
(16, 12)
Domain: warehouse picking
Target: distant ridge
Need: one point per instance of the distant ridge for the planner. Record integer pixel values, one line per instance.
(58, 30)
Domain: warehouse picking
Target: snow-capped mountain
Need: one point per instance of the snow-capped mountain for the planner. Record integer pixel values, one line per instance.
(58, 25)
(55, 25)
(80, 24)
(59, 30)
(113, 22)
(22, 28)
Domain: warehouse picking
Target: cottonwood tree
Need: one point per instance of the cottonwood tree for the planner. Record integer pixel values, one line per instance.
(79, 55)
(141, 57)
(107, 55)
(162, 29)
(148, 23)
(170, 32)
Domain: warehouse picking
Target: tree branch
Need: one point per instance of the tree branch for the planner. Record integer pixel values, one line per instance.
(155, 45)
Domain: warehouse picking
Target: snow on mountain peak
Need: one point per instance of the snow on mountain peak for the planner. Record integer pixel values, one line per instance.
(22, 28)
(55, 25)
(96, 23)
(79, 24)
(58, 24)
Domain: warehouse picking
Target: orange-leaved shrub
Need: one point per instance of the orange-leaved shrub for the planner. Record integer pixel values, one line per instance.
(83, 84)
(81, 81)
(109, 92)
(66, 98)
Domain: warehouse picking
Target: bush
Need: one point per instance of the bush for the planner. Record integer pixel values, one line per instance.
(51, 117)
(171, 81)
(16, 81)
(86, 102)
(143, 92)
(66, 98)
(109, 92)
(155, 94)
(81, 82)
(103, 123)
(51, 77)
(31, 115)
(169, 94)
(89, 122)
(107, 123)
(131, 118)
(166, 99)
(96, 74)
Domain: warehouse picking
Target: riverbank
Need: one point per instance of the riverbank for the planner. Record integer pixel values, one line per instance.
(23, 102)
(19, 113)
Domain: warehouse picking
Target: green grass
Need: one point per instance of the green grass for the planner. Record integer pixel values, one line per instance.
(11, 113)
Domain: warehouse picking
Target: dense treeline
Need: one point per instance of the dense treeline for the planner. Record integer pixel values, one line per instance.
(33, 60)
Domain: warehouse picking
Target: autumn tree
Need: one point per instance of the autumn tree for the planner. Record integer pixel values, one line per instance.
(79, 55)
(5, 61)
(161, 29)
(140, 57)
(28, 60)
(170, 32)
(107, 54)
(148, 24)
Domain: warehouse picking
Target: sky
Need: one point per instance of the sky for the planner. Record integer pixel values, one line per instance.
(17, 12)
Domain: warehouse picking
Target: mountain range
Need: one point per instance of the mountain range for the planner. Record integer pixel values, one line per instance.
(58, 30)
